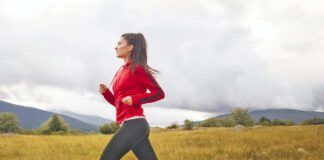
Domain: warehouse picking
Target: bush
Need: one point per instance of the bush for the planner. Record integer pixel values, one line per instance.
(218, 122)
(312, 121)
(264, 121)
(289, 122)
(210, 122)
(108, 128)
(54, 125)
(174, 125)
(277, 122)
(188, 124)
(242, 117)
(9, 123)
(228, 122)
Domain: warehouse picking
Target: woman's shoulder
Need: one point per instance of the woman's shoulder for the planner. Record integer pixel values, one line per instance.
(141, 69)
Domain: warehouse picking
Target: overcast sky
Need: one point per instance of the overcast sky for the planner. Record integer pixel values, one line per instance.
(213, 55)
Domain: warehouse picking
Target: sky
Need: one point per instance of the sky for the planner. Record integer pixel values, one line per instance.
(213, 55)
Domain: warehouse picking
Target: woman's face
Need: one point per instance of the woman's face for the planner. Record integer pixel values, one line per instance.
(123, 50)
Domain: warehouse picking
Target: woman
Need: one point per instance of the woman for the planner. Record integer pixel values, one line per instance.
(129, 93)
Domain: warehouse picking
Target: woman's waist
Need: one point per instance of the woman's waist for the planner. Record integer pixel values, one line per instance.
(121, 94)
(134, 119)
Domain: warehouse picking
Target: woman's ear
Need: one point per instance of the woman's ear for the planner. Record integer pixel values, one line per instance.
(130, 47)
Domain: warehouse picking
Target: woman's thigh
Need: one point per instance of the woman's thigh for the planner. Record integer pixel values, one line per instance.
(131, 133)
(144, 150)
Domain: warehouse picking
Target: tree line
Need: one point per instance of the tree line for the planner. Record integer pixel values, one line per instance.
(240, 116)
(9, 123)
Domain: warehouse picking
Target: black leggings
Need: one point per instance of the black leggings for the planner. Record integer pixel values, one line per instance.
(133, 135)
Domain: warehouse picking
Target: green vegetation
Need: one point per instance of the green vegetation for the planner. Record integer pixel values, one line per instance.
(188, 124)
(54, 125)
(108, 128)
(9, 123)
(313, 121)
(174, 125)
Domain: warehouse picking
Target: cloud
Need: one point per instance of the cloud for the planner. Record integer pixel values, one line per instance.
(213, 55)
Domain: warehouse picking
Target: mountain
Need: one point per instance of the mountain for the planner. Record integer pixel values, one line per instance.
(95, 120)
(32, 118)
(282, 113)
(286, 114)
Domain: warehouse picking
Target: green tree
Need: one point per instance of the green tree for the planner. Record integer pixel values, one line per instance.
(210, 122)
(289, 122)
(188, 124)
(264, 121)
(241, 116)
(227, 121)
(314, 120)
(54, 124)
(108, 128)
(277, 122)
(9, 123)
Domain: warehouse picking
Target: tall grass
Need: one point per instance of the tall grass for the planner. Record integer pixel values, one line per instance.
(259, 143)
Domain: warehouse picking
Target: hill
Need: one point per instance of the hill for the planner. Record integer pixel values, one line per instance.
(32, 118)
(282, 113)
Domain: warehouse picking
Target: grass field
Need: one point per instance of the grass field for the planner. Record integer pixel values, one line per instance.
(256, 143)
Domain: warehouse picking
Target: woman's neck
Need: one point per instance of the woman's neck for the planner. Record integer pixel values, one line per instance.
(126, 60)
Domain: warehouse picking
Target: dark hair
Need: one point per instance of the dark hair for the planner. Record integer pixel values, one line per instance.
(138, 55)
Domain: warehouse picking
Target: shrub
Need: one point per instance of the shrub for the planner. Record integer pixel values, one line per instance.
(218, 122)
(313, 121)
(277, 122)
(241, 116)
(188, 125)
(108, 128)
(55, 124)
(174, 125)
(9, 123)
(264, 121)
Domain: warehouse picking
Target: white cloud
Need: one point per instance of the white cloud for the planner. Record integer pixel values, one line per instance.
(213, 55)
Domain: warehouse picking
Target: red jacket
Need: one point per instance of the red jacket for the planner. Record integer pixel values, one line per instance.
(135, 85)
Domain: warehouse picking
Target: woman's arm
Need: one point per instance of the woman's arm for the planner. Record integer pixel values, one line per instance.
(107, 94)
(109, 97)
(149, 82)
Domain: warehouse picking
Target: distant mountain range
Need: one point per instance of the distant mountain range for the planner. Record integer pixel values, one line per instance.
(283, 114)
(95, 120)
(32, 118)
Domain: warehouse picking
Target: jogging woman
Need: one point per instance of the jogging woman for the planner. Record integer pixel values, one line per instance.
(129, 87)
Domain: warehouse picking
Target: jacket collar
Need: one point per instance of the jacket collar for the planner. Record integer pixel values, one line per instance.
(127, 64)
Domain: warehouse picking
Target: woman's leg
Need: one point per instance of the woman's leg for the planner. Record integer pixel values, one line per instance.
(117, 146)
(129, 135)
(144, 150)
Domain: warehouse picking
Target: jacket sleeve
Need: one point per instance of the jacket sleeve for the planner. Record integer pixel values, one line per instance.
(149, 82)
(109, 96)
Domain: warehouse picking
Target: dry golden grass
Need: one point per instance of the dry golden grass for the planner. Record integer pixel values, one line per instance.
(258, 143)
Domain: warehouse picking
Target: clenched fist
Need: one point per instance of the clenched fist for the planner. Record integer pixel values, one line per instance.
(127, 100)
(102, 88)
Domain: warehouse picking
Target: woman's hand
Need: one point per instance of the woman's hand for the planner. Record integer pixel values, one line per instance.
(127, 100)
(102, 88)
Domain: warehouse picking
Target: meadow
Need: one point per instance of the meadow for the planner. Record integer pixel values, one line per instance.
(251, 143)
